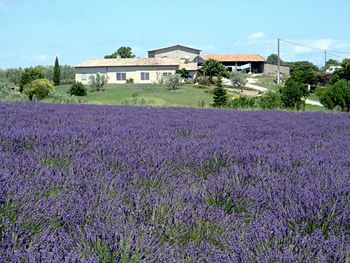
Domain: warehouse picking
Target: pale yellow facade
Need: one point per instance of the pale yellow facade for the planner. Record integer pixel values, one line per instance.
(119, 75)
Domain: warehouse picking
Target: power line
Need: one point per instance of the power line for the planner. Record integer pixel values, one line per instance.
(315, 48)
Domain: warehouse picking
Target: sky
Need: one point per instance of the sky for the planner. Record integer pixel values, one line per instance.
(33, 32)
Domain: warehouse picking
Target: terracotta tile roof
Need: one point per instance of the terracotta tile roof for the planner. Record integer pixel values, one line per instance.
(129, 62)
(234, 57)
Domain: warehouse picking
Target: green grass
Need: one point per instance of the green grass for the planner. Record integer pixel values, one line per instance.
(146, 95)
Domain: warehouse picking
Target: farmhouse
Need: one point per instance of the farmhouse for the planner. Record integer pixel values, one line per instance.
(141, 70)
(163, 62)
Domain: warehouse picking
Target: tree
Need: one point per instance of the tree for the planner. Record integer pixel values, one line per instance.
(173, 81)
(335, 95)
(57, 73)
(8, 91)
(29, 75)
(40, 88)
(343, 72)
(12, 74)
(238, 80)
(304, 76)
(183, 73)
(213, 68)
(292, 94)
(77, 89)
(219, 95)
(332, 62)
(273, 59)
(97, 82)
(302, 65)
(123, 52)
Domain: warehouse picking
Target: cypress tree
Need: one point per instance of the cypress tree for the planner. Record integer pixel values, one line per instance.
(219, 95)
(57, 73)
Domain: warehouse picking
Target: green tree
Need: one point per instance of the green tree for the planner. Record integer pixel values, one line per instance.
(40, 88)
(183, 73)
(173, 81)
(57, 73)
(303, 66)
(219, 95)
(332, 62)
(12, 74)
(213, 68)
(343, 72)
(304, 76)
(123, 52)
(238, 80)
(98, 82)
(334, 95)
(29, 75)
(292, 94)
(273, 59)
(78, 89)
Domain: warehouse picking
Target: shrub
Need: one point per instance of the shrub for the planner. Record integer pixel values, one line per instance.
(130, 81)
(78, 89)
(202, 80)
(98, 82)
(335, 95)
(238, 80)
(40, 88)
(242, 103)
(9, 92)
(29, 75)
(292, 94)
(219, 95)
(173, 81)
(270, 101)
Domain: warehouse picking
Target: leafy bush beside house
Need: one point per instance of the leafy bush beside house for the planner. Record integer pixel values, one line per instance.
(98, 82)
(29, 75)
(78, 89)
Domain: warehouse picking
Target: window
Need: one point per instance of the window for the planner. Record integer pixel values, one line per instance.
(121, 76)
(166, 74)
(83, 76)
(144, 75)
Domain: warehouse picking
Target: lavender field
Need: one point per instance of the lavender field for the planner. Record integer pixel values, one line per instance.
(128, 184)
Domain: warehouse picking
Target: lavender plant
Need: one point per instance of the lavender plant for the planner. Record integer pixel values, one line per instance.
(83, 183)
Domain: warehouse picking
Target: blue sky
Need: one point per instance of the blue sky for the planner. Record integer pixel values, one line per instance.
(33, 32)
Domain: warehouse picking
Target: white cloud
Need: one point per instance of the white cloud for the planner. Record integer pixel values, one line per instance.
(255, 37)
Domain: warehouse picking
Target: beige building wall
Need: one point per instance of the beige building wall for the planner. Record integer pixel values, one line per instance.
(271, 70)
(174, 52)
(156, 73)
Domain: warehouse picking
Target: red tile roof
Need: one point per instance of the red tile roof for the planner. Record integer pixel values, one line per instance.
(234, 57)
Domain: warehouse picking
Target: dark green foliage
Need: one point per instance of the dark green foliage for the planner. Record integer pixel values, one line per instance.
(57, 73)
(273, 59)
(332, 62)
(243, 103)
(219, 95)
(270, 101)
(40, 88)
(343, 72)
(292, 94)
(183, 73)
(123, 52)
(213, 68)
(335, 95)
(130, 81)
(29, 75)
(203, 80)
(304, 76)
(78, 89)
(302, 65)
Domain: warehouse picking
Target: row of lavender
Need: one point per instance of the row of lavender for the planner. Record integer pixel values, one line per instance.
(128, 184)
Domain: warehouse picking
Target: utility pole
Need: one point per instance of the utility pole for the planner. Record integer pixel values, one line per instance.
(325, 58)
(278, 61)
